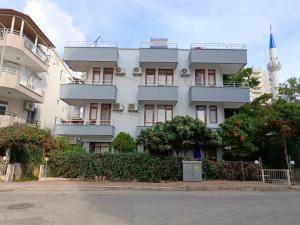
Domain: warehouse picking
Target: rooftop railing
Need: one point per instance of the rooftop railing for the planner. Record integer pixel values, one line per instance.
(158, 45)
(100, 44)
(217, 46)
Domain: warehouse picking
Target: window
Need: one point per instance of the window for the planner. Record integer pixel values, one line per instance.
(211, 77)
(105, 114)
(149, 115)
(165, 77)
(200, 77)
(93, 112)
(108, 75)
(99, 147)
(164, 113)
(96, 75)
(150, 77)
(3, 106)
(213, 114)
(201, 113)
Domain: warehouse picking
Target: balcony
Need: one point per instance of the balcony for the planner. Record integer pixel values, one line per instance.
(21, 48)
(233, 95)
(80, 55)
(230, 58)
(12, 86)
(159, 57)
(156, 93)
(77, 128)
(76, 93)
(9, 118)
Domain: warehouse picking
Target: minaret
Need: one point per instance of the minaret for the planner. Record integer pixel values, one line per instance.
(273, 66)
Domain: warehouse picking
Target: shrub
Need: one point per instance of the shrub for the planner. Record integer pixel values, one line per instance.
(123, 142)
(116, 167)
(229, 170)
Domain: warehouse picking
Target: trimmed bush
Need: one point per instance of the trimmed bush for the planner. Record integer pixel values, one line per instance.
(115, 167)
(229, 170)
(123, 142)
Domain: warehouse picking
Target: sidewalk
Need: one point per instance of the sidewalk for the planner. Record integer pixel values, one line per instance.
(217, 185)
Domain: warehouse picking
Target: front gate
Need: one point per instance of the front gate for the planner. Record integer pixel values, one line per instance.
(277, 176)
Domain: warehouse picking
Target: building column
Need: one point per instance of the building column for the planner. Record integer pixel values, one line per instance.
(22, 27)
(12, 24)
(35, 42)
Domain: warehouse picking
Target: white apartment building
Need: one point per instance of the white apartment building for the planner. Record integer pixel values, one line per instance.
(130, 89)
(30, 73)
(264, 86)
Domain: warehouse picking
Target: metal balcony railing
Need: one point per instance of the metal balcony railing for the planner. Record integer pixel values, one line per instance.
(217, 46)
(222, 84)
(10, 118)
(27, 43)
(80, 121)
(95, 82)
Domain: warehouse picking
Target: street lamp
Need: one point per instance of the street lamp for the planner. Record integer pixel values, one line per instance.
(256, 162)
(292, 162)
(4, 158)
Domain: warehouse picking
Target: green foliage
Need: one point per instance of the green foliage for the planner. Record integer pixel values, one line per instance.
(64, 145)
(230, 170)
(177, 135)
(290, 90)
(244, 76)
(123, 142)
(116, 167)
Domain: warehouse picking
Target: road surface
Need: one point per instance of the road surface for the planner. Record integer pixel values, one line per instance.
(97, 207)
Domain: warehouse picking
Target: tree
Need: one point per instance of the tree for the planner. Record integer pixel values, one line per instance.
(243, 76)
(177, 135)
(290, 90)
(123, 142)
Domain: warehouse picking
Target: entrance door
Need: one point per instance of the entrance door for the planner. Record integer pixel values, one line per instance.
(200, 77)
(105, 114)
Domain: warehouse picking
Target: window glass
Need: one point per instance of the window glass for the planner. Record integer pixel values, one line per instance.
(165, 76)
(213, 114)
(169, 112)
(161, 113)
(105, 114)
(93, 111)
(201, 113)
(108, 75)
(149, 115)
(96, 75)
(2, 109)
(211, 77)
(150, 77)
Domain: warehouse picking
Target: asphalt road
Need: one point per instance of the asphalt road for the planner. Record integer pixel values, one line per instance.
(95, 207)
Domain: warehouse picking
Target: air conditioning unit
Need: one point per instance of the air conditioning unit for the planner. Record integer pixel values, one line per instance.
(185, 72)
(118, 107)
(132, 107)
(120, 71)
(137, 71)
(29, 106)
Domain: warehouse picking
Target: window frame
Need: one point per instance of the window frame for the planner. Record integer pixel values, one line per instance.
(93, 106)
(95, 70)
(211, 72)
(166, 108)
(205, 112)
(153, 115)
(165, 73)
(202, 81)
(213, 108)
(110, 73)
(147, 74)
(101, 113)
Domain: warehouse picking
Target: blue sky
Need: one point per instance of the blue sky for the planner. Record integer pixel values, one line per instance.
(129, 22)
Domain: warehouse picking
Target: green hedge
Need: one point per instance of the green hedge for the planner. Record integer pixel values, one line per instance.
(229, 170)
(115, 167)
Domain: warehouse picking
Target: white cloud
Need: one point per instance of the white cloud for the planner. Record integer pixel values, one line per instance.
(54, 22)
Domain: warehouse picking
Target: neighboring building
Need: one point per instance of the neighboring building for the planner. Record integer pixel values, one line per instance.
(130, 89)
(264, 83)
(30, 73)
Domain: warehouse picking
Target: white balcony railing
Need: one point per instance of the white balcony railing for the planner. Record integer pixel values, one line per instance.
(27, 43)
(31, 82)
(100, 44)
(89, 82)
(80, 121)
(9, 118)
(222, 84)
(217, 46)
(158, 83)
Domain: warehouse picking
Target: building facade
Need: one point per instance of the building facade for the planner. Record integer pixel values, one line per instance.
(130, 89)
(30, 73)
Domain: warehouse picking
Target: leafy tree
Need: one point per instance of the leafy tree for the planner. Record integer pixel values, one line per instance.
(243, 76)
(123, 142)
(177, 135)
(290, 90)
(64, 145)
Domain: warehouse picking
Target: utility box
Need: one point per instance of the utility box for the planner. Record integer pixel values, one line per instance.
(192, 170)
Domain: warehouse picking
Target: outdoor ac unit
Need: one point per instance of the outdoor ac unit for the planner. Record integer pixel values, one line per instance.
(120, 71)
(185, 72)
(132, 107)
(137, 71)
(29, 106)
(118, 107)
